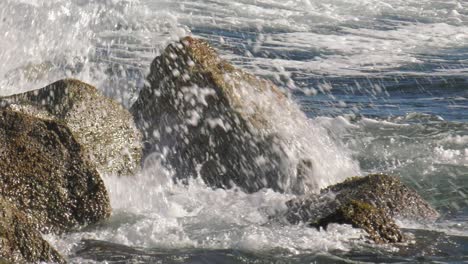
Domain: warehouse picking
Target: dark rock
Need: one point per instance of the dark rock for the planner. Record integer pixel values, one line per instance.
(44, 172)
(20, 242)
(196, 113)
(103, 127)
(370, 203)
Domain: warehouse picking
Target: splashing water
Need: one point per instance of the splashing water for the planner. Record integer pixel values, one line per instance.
(109, 44)
(382, 86)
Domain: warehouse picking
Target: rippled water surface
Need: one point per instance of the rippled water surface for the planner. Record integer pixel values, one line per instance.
(385, 80)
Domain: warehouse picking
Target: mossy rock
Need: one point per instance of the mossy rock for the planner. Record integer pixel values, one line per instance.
(371, 203)
(44, 172)
(103, 127)
(20, 242)
(204, 116)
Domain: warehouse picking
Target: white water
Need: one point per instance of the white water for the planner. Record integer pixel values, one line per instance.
(44, 41)
(149, 214)
(110, 44)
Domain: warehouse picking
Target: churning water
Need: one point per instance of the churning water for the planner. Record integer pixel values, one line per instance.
(383, 82)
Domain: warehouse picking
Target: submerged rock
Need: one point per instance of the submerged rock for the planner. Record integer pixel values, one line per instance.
(20, 242)
(371, 203)
(103, 127)
(205, 117)
(44, 172)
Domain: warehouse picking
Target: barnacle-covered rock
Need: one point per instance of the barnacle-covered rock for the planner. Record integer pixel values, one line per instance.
(45, 174)
(103, 127)
(206, 117)
(379, 226)
(20, 242)
(371, 203)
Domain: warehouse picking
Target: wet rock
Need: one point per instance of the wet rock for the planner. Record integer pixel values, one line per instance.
(44, 172)
(5, 261)
(371, 203)
(103, 127)
(20, 242)
(380, 227)
(203, 115)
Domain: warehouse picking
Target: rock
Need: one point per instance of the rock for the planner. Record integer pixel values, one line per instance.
(44, 172)
(379, 226)
(205, 117)
(20, 242)
(371, 203)
(103, 127)
(5, 261)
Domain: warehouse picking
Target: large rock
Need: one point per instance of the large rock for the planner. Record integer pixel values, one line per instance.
(370, 203)
(44, 172)
(103, 127)
(20, 242)
(207, 119)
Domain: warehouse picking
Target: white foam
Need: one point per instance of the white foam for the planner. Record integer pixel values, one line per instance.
(338, 124)
(456, 139)
(369, 122)
(150, 211)
(302, 139)
(106, 43)
(86, 39)
(352, 47)
(451, 156)
(449, 227)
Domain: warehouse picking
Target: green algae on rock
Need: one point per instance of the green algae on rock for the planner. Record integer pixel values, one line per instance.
(20, 242)
(205, 117)
(371, 203)
(103, 127)
(44, 172)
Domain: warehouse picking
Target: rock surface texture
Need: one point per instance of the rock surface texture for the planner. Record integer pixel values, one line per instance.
(103, 127)
(45, 174)
(371, 203)
(204, 116)
(20, 242)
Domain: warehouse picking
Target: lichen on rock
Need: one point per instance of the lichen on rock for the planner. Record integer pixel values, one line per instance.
(103, 127)
(45, 174)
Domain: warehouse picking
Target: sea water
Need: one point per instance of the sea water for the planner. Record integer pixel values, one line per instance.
(382, 86)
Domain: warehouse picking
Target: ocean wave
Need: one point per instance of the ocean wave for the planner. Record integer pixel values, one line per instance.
(369, 61)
